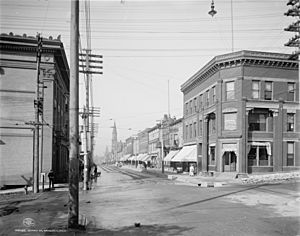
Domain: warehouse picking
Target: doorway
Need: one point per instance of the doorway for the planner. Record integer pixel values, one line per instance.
(229, 162)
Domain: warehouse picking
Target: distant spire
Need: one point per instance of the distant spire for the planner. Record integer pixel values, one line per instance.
(114, 141)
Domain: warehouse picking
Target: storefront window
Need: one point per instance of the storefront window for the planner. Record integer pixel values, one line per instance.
(258, 156)
(263, 157)
(252, 156)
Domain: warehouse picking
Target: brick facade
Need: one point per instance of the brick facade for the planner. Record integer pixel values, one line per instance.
(18, 86)
(241, 111)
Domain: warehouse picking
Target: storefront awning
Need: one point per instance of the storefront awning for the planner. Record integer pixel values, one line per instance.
(186, 154)
(229, 147)
(125, 158)
(141, 156)
(132, 158)
(171, 155)
(146, 158)
(263, 144)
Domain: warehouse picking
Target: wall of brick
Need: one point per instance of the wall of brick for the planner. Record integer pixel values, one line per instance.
(16, 157)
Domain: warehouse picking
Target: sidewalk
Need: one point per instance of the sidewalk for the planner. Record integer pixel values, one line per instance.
(34, 214)
(222, 179)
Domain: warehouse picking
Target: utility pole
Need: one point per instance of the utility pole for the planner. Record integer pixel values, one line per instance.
(162, 147)
(91, 64)
(73, 211)
(37, 105)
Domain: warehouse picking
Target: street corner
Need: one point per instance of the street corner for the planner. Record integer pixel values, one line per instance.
(211, 184)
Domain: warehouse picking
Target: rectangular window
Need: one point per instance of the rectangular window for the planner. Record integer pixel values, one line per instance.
(207, 98)
(290, 154)
(191, 107)
(201, 101)
(263, 156)
(252, 156)
(230, 94)
(214, 95)
(200, 149)
(195, 104)
(290, 122)
(200, 127)
(257, 122)
(268, 90)
(187, 108)
(230, 121)
(213, 125)
(186, 131)
(291, 92)
(195, 129)
(258, 156)
(212, 155)
(191, 130)
(255, 89)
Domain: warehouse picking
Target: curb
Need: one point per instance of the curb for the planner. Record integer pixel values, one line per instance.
(211, 184)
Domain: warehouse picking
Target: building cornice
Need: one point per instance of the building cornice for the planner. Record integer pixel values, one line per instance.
(28, 44)
(241, 58)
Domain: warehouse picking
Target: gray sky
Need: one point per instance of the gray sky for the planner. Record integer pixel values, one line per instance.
(147, 43)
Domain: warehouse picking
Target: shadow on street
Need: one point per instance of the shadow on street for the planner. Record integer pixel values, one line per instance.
(137, 231)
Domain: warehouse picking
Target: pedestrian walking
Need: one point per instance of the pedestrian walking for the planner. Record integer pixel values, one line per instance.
(192, 170)
(51, 179)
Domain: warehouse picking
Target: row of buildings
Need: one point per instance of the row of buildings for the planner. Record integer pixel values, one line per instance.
(240, 114)
(146, 145)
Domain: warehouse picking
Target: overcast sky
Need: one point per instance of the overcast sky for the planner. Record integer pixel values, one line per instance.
(145, 44)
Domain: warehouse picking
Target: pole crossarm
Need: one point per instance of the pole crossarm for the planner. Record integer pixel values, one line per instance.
(91, 72)
(91, 66)
(90, 55)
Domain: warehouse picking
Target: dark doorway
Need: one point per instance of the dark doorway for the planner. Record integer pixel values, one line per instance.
(229, 162)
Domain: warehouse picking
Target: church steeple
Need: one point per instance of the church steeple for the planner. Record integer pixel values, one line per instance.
(114, 142)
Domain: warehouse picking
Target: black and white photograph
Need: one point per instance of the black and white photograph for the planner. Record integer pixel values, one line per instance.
(150, 117)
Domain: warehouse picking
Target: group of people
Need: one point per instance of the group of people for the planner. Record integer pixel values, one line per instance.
(94, 174)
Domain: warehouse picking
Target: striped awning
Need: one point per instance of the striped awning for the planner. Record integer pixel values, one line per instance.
(186, 154)
(171, 155)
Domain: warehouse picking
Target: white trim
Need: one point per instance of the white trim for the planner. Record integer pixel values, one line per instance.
(270, 79)
(229, 110)
(230, 80)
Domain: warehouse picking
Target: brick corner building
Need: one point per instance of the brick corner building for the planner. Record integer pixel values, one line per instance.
(18, 82)
(241, 111)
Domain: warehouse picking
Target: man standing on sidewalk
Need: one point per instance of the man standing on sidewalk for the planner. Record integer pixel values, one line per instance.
(51, 179)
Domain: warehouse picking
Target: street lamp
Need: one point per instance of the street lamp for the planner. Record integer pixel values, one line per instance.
(212, 12)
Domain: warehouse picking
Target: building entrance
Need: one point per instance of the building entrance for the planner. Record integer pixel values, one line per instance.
(229, 162)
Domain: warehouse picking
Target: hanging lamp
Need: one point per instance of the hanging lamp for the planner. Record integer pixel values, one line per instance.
(212, 12)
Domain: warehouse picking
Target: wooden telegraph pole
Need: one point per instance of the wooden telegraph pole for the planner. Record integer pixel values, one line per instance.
(37, 106)
(73, 214)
